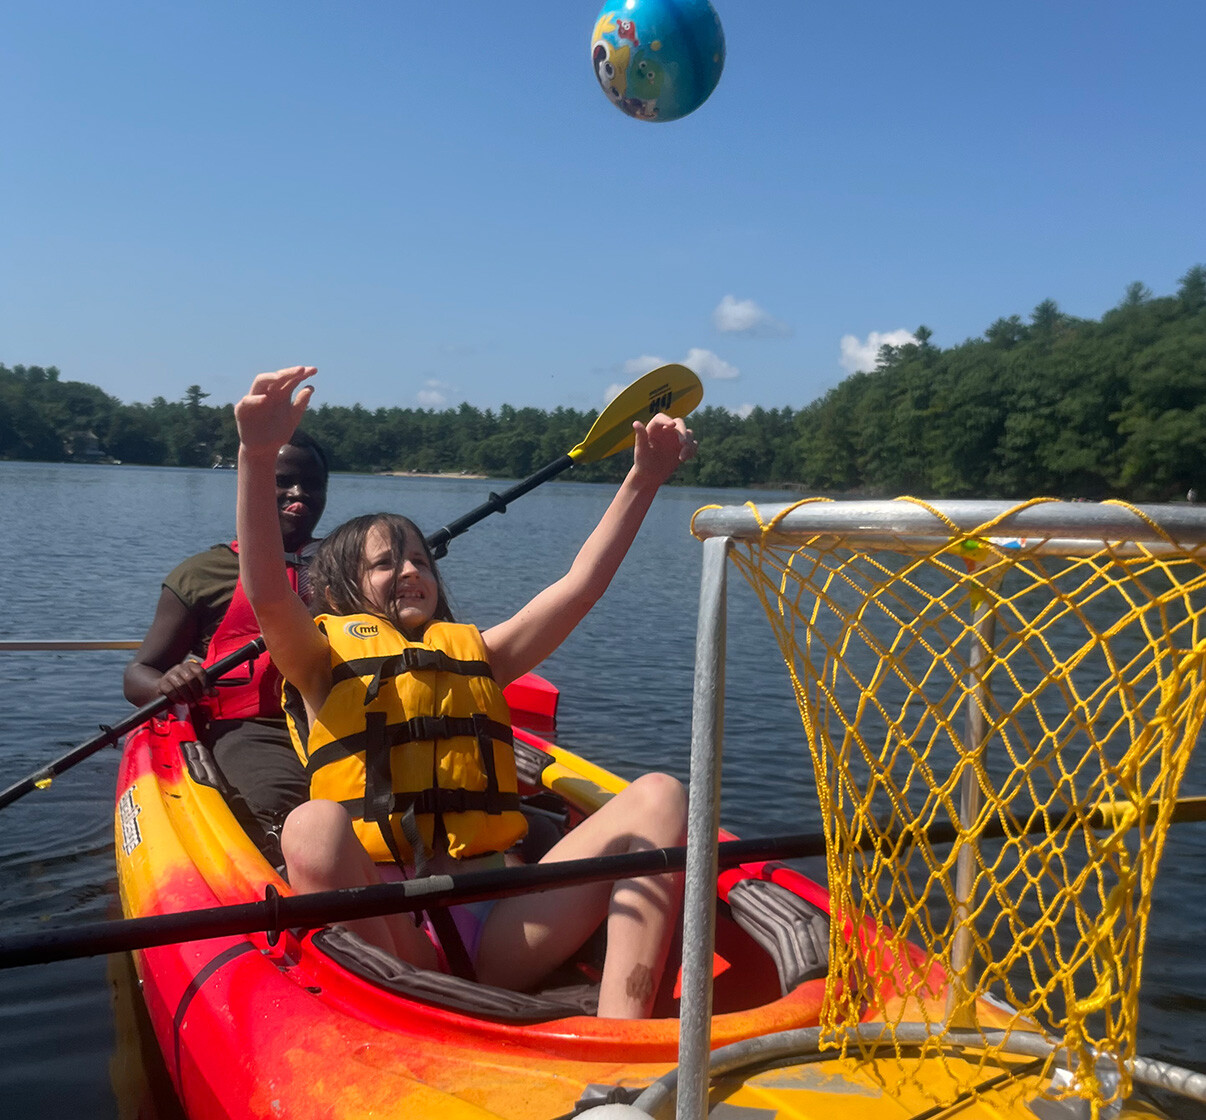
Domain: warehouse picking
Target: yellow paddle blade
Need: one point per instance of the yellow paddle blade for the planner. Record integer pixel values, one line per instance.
(672, 389)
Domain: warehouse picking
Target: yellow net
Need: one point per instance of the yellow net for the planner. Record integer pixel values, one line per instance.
(998, 728)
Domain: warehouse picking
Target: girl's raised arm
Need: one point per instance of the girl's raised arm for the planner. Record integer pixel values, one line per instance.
(525, 640)
(267, 417)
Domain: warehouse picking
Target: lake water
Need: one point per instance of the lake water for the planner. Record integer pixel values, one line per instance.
(82, 552)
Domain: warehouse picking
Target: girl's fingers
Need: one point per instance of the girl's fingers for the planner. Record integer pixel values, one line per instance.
(290, 379)
(663, 443)
(302, 400)
(270, 410)
(675, 433)
(282, 381)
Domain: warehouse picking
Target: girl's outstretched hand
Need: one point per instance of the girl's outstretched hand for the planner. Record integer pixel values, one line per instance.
(269, 414)
(661, 445)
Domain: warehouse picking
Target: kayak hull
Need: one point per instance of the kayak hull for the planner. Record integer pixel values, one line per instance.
(250, 1028)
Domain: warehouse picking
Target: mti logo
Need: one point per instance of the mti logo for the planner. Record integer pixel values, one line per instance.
(660, 399)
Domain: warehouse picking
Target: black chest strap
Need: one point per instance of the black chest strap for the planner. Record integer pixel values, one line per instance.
(413, 659)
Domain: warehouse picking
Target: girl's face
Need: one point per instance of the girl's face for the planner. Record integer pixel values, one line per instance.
(404, 588)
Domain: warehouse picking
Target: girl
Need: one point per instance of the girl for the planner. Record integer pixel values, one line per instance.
(388, 614)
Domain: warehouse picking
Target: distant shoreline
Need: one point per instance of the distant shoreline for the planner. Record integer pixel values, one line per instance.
(426, 474)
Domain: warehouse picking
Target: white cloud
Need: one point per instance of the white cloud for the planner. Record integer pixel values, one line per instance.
(863, 355)
(433, 395)
(638, 367)
(744, 316)
(707, 364)
(743, 410)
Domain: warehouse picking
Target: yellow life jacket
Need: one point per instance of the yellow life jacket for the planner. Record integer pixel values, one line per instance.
(414, 740)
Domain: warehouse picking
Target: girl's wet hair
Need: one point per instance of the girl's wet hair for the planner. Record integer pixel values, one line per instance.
(339, 564)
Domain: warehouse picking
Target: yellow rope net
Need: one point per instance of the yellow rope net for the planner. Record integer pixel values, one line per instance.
(1038, 706)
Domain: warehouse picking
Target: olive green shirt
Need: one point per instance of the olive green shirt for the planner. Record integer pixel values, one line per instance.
(205, 584)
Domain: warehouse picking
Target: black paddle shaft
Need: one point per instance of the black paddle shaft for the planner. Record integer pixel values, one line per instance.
(311, 911)
(496, 503)
(110, 735)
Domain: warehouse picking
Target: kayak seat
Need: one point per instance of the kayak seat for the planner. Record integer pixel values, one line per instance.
(547, 821)
(792, 934)
(793, 931)
(530, 763)
(769, 941)
(203, 769)
(442, 990)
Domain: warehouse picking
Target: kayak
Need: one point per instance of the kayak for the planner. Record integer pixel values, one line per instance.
(317, 1023)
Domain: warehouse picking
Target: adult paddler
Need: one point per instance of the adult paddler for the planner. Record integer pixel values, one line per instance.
(203, 615)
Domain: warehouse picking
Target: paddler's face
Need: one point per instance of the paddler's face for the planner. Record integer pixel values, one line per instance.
(301, 494)
(404, 588)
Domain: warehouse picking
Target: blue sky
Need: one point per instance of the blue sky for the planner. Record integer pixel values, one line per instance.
(435, 203)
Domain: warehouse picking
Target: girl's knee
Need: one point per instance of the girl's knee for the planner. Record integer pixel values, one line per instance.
(661, 789)
(663, 801)
(313, 837)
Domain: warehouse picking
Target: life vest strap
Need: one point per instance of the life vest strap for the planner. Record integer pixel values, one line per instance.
(413, 659)
(429, 801)
(378, 802)
(419, 729)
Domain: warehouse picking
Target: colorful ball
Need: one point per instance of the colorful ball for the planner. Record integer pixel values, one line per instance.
(658, 60)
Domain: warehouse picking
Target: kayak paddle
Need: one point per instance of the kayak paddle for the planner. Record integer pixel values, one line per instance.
(40, 779)
(311, 911)
(672, 389)
(277, 912)
(21, 646)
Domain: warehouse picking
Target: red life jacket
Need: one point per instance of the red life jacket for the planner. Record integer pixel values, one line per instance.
(253, 690)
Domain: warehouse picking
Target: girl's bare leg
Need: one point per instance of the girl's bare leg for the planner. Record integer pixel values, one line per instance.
(322, 854)
(527, 936)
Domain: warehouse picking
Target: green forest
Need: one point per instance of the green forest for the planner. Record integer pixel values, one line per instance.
(1046, 405)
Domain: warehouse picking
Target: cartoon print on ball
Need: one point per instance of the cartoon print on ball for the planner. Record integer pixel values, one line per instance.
(657, 60)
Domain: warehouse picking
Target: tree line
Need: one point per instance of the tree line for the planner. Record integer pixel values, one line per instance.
(1052, 405)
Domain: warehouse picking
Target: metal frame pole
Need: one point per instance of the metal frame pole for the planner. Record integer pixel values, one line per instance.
(983, 637)
(703, 823)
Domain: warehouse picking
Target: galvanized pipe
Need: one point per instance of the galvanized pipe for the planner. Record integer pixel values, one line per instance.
(1050, 528)
(983, 636)
(703, 823)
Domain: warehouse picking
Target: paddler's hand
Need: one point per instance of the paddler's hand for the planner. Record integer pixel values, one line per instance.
(185, 683)
(660, 446)
(269, 414)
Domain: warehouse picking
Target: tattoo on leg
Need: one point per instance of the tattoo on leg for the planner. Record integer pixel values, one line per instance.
(640, 984)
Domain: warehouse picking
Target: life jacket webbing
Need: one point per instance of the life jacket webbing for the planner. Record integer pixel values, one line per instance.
(445, 801)
(378, 781)
(378, 804)
(409, 660)
(418, 729)
(485, 747)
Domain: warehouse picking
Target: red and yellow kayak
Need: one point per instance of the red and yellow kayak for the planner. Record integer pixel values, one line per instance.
(318, 1025)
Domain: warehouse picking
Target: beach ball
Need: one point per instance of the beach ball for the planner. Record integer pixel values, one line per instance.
(658, 60)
